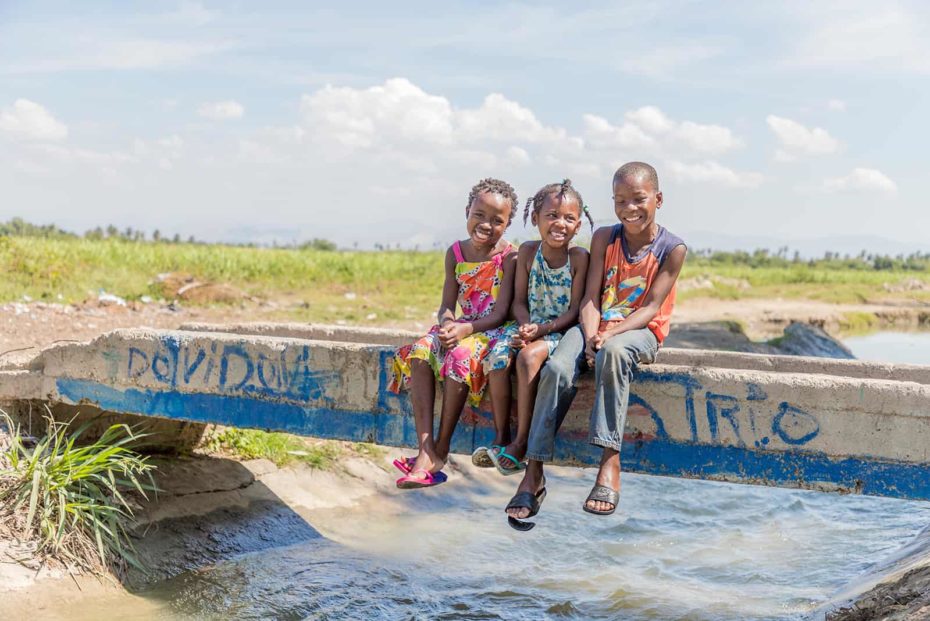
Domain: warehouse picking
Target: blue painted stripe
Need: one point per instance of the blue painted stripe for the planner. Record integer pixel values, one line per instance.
(660, 456)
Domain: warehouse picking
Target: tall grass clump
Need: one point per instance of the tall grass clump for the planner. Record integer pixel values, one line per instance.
(70, 501)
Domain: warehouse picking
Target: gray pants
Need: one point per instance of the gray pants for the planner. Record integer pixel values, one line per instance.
(613, 369)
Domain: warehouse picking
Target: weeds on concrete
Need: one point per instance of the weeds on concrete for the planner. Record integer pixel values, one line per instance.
(284, 449)
(281, 448)
(71, 501)
(858, 322)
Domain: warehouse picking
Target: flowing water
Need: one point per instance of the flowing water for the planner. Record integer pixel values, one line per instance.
(676, 549)
(907, 347)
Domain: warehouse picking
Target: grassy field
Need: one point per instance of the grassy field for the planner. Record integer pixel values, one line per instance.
(396, 285)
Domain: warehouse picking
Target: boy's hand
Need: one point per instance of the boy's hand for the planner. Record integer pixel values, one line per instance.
(453, 332)
(517, 342)
(529, 332)
(590, 351)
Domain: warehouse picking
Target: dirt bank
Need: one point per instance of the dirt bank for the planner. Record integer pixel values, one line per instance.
(905, 599)
(897, 588)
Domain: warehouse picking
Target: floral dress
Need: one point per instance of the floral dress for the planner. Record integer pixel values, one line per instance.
(548, 295)
(479, 286)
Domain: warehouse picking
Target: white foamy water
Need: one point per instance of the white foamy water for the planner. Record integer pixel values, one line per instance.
(676, 549)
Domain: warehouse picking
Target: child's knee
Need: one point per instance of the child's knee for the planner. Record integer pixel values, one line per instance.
(500, 374)
(528, 358)
(615, 352)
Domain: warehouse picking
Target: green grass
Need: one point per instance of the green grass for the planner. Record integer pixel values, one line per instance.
(78, 268)
(285, 449)
(831, 284)
(858, 322)
(69, 499)
(393, 285)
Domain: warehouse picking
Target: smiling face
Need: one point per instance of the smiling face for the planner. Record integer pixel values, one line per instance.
(558, 220)
(488, 217)
(635, 203)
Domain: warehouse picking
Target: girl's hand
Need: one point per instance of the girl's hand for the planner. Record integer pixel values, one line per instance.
(453, 332)
(517, 342)
(529, 332)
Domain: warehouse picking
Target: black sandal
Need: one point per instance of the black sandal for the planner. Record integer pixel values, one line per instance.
(525, 500)
(603, 494)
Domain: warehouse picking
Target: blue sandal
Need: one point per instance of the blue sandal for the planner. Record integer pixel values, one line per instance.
(495, 457)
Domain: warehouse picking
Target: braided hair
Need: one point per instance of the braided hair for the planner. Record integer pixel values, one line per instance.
(494, 186)
(562, 190)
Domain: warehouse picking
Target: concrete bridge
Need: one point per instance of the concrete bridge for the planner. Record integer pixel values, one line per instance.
(830, 425)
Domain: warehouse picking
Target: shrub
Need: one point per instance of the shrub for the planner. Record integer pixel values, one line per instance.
(70, 500)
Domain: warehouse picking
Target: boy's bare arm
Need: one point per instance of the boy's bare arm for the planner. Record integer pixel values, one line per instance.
(655, 297)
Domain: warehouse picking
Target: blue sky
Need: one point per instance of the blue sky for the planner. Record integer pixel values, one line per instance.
(769, 123)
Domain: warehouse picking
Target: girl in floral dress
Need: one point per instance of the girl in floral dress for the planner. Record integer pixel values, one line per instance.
(479, 276)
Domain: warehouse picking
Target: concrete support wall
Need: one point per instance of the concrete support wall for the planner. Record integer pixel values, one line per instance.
(769, 420)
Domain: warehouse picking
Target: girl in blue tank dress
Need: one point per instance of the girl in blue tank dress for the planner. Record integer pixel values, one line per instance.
(548, 287)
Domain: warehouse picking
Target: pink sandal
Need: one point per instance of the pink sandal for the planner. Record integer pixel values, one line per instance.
(429, 479)
(405, 464)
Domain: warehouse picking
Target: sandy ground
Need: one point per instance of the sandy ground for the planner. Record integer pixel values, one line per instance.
(28, 327)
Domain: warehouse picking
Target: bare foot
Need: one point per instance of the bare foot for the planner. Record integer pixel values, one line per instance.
(427, 460)
(533, 481)
(609, 476)
(517, 450)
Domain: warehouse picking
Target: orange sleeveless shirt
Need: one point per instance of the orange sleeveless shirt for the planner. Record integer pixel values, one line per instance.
(627, 280)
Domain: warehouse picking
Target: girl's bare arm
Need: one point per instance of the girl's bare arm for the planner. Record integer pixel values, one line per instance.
(450, 291)
(521, 307)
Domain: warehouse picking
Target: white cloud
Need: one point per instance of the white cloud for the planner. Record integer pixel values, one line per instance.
(837, 104)
(518, 155)
(398, 115)
(714, 173)
(650, 128)
(868, 37)
(661, 61)
(191, 14)
(28, 120)
(868, 179)
(221, 110)
(796, 139)
(601, 133)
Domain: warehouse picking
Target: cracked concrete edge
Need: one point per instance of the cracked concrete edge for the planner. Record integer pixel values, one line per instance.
(672, 356)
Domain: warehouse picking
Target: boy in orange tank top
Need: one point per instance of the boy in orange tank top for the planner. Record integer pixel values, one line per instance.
(624, 317)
